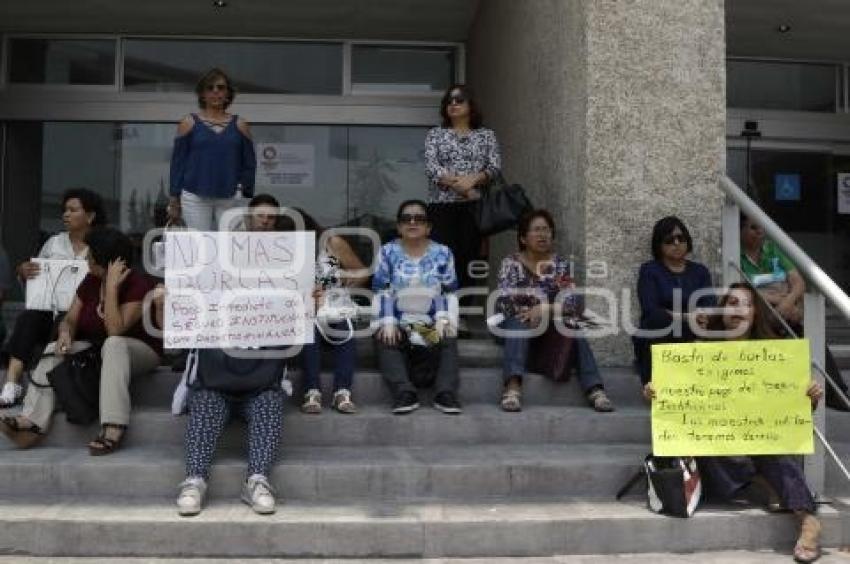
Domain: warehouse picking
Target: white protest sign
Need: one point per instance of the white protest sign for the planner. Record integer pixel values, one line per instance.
(286, 165)
(56, 284)
(238, 289)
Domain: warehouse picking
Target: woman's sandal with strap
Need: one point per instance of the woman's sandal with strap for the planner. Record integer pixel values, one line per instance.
(807, 548)
(23, 437)
(103, 445)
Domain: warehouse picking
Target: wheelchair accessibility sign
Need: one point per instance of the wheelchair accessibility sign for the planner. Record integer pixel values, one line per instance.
(843, 194)
(787, 187)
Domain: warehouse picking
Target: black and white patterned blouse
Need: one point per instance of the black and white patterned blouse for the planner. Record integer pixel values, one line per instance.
(450, 153)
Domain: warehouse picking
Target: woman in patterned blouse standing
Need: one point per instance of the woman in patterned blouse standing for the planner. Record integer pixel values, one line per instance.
(461, 156)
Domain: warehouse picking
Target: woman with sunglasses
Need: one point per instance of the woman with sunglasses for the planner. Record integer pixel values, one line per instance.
(745, 318)
(531, 283)
(780, 284)
(412, 277)
(461, 156)
(213, 162)
(665, 286)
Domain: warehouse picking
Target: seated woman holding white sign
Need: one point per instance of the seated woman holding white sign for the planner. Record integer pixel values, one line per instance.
(107, 310)
(82, 210)
(745, 319)
(417, 344)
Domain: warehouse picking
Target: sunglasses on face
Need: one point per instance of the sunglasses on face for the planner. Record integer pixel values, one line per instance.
(214, 87)
(413, 218)
(457, 99)
(675, 240)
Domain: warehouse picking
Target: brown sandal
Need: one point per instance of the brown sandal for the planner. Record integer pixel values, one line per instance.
(23, 437)
(103, 445)
(807, 548)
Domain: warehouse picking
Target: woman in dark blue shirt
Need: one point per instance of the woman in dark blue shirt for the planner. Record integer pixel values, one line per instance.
(213, 163)
(665, 317)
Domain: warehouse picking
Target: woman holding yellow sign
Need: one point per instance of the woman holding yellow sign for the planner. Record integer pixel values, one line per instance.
(744, 319)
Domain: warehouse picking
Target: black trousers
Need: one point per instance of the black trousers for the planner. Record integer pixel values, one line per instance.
(454, 225)
(33, 330)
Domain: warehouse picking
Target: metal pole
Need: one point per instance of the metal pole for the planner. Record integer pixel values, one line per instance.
(814, 329)
(731, 245)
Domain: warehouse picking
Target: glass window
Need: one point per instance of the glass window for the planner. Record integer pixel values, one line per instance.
(387, 68)
(61, 61)
(341, 175)
(255, 67)
(781, 86)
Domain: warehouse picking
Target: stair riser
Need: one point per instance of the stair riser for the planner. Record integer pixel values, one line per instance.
(403, 538)
(331, 482)
(476, 386)
(333, 429)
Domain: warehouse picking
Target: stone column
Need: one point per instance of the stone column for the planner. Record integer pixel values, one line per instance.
(612, 114)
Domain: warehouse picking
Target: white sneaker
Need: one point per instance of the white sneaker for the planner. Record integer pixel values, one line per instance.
(11, 394)
(257, 493)
(312, 402)
(191, 497)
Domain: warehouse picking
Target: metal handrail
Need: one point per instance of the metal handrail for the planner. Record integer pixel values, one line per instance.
(810, 270)
(801, 260)
(835, 387)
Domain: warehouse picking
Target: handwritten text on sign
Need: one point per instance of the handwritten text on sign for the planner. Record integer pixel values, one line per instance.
(732, 398)
(238, 289)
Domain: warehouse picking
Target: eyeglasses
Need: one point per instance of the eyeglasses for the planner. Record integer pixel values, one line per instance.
(213, 87)
(457, 99)
(675, 240)
(413, 218)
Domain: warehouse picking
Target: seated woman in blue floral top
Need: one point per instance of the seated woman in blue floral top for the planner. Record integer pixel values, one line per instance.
(415, 331)
(530, 282)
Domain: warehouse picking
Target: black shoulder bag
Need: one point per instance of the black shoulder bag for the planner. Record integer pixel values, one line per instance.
(76, 383)
(237, 375)
(500, 207)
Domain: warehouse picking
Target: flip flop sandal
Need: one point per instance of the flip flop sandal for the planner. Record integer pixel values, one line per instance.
(23, 437)
(803, 553)
(103, 445)
(511, 401)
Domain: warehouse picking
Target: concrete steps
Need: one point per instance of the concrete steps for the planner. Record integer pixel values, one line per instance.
(478, 385)
(151, 528)
(328, 474)
(484, 483)
(480, 424)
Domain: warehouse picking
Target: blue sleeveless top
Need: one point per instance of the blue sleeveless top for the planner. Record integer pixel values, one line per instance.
(213, 165)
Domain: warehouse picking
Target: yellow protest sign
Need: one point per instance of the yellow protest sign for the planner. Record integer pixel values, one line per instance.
(732, 398)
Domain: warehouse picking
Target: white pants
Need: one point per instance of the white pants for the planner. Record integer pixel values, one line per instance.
(123, 358)
(204, 214)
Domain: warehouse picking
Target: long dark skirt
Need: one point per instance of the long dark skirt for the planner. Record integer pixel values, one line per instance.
(725, 476)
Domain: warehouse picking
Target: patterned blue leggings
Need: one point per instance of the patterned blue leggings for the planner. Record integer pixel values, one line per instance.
(209, 412)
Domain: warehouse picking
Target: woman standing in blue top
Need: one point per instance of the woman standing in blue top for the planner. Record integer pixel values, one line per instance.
(412, 277)
(664, 317)
(213, 158)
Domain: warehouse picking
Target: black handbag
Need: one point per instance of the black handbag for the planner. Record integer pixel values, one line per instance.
(76, 383)
(236, 374)
(673, 485)
(500, 207)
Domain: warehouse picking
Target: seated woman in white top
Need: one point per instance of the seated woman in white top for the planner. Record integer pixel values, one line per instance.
(82, 209)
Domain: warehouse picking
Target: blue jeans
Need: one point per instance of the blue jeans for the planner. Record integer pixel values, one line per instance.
(515, 360)
(345, 358)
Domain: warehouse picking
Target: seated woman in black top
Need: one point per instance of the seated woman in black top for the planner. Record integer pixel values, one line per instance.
(665, 317)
